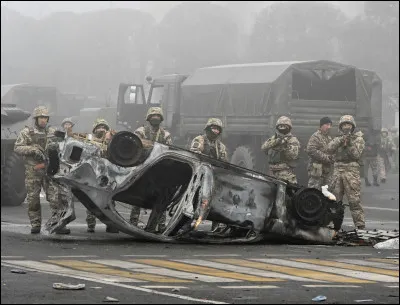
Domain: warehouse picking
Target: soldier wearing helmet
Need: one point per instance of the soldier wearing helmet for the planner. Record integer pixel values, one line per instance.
(348, 148)
(210, 144)
(102, 133)
(31, 145)
(386, 149)
(67, 123)
(153, 132)
(283, 151)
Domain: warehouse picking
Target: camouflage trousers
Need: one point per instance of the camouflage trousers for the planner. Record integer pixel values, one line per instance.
(135, 214)
(284, 174)
(65, 195)
(346, 180)
(381, 167)
(318, 182)
(91, 218)
(370, 163)
(35, 181)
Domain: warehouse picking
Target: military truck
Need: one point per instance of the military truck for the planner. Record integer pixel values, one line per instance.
(249, 98)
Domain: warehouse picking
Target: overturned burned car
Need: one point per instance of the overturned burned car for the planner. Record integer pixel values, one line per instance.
(192, 188)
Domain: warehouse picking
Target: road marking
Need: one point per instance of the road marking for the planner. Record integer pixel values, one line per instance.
(368, 263)
(205, 270)
(316, 275)
(102, 269)
(248, 287)
(355, 274)
(244, 270)
(385, 260)
(354, 254)
(378, 208)
(217, 255)
(165, 287)
(173, 295)
(43, 267)
(11, 256)
(393, 286)
(349, 266)
(143, 255)
(331, 286)
(71, 256)
(164, 271)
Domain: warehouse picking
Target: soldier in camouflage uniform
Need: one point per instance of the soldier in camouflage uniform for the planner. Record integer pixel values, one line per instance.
(65, 191)
(371, 161)
(210, 144)
(101, 134)
(386, 149)
(320, 163)
(348, 149)
(395, 138)
(31, 145)
(153, 132)
(283, 151)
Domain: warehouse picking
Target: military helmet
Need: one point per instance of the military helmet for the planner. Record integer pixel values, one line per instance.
(384, 130)
(393, 129)
(40, 111)
(347, 119)
(214, 122)
(99, 122)
(67, 120)
(153, 111)
(284, 120)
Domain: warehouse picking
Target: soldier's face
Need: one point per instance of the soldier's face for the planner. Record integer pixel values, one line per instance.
(67, 125)
(215, 130)
(384, 134)
(326, 127)
(284, 129)
(42, 121)
(155, 119)
(100, 131)
(346, 127)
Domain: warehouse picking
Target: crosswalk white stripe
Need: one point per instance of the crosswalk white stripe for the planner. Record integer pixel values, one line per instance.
(162, 271)
(39, 266)
(346, 272)
(245, 270)
(249, 287)
(368, 263)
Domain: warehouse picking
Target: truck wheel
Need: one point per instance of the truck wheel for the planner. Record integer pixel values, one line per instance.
(13, 191)
(243, 156)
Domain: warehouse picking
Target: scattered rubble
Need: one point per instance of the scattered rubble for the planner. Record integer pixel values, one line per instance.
(18, 271)
(62, 286)
(110, 299)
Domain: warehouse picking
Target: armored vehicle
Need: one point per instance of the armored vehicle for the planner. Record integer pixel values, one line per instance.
(249, 98)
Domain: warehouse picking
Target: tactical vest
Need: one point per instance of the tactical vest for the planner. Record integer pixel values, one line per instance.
(159, 136)
(371, 150)
(39, 137)
(343, 155)
(211, 150)
(278, 157)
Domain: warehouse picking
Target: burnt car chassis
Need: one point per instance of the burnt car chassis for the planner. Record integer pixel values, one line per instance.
(191, 188)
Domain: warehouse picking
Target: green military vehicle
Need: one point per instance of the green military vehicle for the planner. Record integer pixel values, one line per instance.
(249, 98)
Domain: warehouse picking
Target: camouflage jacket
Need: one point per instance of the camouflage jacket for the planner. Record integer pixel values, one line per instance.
(161, 136)
(348, 150)
(282, 151)
(203, 145)
(387, 146)
(317, 148)
(32, 140)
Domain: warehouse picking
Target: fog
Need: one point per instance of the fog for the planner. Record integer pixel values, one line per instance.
(90, 47)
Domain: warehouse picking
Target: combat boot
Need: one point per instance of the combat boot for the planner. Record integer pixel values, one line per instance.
(90, 230)
(383, 180)
(367, 183)
(376, 181)
(63, 231)
(35, 230)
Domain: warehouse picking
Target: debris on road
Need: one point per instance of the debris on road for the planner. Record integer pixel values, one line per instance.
(63, 286)
(389, 244)
(175, 290)
(96, 287)
(366, 237)
(361, 301)
(110, 299)
(319, 298)
(18, 271)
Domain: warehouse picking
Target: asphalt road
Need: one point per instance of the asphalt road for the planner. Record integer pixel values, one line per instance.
(118, 266)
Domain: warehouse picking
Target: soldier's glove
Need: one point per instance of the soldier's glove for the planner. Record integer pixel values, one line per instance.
(38, 155)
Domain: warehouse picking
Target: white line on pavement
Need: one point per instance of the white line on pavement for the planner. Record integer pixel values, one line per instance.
(142, 255)
(173, 295)
(217, 255)
(379, 208)
(331, 286)
(249, 287)
(10, 256)
(70, 256)
(165, 287)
